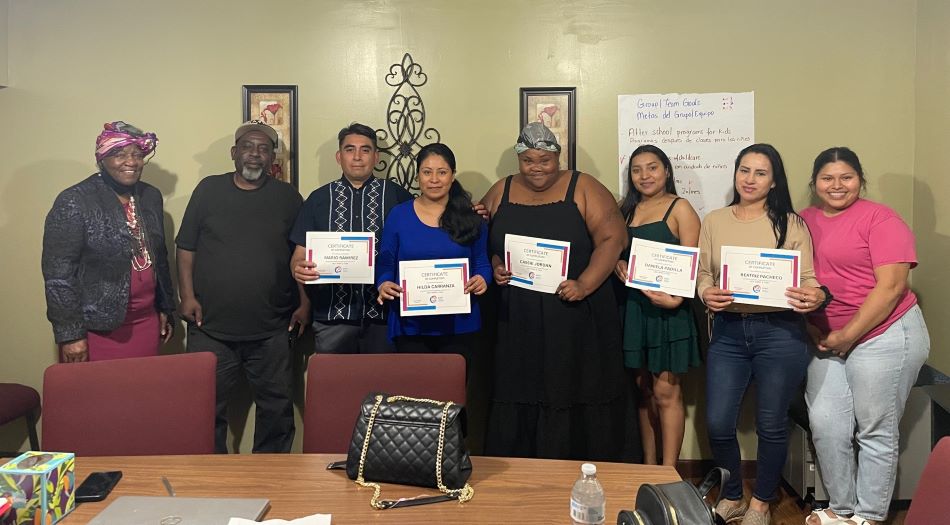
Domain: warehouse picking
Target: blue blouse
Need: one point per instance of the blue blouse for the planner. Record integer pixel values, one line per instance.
(407, 238)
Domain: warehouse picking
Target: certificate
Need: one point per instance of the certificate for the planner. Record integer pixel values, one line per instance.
(759, 275)
(434, 287)
(342, 257)
(536, 264)
(662, 267)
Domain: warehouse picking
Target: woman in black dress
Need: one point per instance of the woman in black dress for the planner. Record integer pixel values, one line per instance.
(558, 379)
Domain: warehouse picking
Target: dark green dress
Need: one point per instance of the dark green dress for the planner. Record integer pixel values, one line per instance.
(659, 339)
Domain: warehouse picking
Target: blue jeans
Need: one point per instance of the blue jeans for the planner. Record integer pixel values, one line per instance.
(855, 405)
(772, 350)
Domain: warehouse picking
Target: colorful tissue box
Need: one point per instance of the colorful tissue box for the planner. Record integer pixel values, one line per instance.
(42, 485)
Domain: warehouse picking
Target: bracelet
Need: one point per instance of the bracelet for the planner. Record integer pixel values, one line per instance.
(828, 297)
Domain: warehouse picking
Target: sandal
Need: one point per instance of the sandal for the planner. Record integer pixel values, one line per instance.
(730, 511)
(754, 517)
(854, 520)
(824, 518)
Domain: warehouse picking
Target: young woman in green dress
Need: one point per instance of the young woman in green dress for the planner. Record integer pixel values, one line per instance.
(659, 334)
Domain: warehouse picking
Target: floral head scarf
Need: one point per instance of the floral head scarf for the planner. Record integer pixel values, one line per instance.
(118, 134)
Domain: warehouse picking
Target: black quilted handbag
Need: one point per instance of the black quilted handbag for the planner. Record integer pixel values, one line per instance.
(678, 503)
(410, 441)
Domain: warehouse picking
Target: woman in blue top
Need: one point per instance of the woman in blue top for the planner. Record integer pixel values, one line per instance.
(438, 224)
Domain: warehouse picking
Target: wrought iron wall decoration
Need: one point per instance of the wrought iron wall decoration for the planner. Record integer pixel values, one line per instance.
(406, 123)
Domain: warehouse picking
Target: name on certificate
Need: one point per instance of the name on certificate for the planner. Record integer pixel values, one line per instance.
(342, 257)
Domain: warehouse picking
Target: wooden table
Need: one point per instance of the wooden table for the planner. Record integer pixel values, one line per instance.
(507, 490)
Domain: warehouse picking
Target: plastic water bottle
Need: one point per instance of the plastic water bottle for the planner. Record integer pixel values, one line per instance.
(587, 498)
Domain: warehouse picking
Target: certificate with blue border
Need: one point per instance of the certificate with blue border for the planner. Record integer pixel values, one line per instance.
(759, 275)
(342, 257)
(434, 287)
(662, 267)
(535, 263)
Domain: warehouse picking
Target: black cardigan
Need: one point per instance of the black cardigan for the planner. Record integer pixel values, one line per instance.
(87, 257)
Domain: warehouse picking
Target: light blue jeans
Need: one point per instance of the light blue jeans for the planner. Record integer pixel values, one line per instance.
(854, 407)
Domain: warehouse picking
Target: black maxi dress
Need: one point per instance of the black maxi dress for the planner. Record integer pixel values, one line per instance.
(558, 378)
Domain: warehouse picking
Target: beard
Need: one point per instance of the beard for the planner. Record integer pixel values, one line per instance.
(251, 175)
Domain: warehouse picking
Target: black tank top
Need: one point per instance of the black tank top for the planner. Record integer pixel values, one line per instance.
(560, 220)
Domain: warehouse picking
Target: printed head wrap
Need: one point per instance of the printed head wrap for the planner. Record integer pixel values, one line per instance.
(536, 135)
(118, 134)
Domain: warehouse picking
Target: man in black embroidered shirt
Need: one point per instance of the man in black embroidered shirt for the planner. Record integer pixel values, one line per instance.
(346, 317)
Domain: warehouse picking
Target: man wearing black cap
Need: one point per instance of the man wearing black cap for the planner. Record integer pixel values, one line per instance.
(237, 293)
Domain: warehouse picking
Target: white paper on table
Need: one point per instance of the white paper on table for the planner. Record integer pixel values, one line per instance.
(662, 267)
(434, 287)
(759, 275)
(316, 519)
(535, 263)
(342, 257)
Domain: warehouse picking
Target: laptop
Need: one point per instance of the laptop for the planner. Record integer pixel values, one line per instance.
(173, 510)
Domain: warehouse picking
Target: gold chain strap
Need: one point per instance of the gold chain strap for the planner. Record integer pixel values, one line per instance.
(463, 494)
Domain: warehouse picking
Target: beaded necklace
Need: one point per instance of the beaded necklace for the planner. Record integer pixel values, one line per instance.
(141, 260)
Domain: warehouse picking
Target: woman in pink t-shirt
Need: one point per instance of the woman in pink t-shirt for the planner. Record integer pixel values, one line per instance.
(872, 341)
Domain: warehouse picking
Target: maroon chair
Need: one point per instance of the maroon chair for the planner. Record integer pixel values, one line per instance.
(131, 407)
(18, 401)
(337, 384)
(931, 504)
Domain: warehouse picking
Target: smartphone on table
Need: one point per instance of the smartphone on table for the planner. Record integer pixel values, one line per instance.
(97, 486)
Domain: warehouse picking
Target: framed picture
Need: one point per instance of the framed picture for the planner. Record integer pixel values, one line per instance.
(277, 107)
(556, 108)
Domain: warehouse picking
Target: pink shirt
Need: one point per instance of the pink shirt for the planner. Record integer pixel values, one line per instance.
(848, 247)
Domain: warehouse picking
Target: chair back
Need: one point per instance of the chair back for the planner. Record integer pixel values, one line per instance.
(130, 407)
(931, 504)
(337, 384)
(18, 401)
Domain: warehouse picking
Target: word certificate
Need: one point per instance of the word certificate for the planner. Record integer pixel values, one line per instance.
(536, 264)
(759, 275)
(434, 287)
(342, 257)
(662, 267)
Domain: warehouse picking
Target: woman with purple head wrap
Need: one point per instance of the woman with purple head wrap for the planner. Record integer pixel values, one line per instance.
(108, 285)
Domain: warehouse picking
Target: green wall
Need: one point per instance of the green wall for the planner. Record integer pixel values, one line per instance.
(932, 174)
(824, 73)
(4, 8)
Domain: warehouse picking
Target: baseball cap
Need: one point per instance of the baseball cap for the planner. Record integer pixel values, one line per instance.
(255, 125)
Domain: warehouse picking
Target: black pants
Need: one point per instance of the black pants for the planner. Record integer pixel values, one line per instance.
(437, 344)
(434, 344)
(267, 367)
(351, 337)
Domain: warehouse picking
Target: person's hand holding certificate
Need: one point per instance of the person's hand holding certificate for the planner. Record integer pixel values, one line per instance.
(536, 264)
(759, 275)
(661, 267)
(434, 287)
(342, 257)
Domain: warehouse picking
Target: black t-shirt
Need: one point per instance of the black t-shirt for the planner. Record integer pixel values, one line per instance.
(242, 273)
